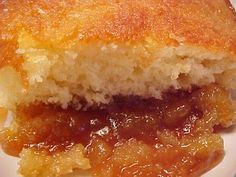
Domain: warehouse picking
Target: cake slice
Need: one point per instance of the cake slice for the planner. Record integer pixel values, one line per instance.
(65, 52)
(115, 87)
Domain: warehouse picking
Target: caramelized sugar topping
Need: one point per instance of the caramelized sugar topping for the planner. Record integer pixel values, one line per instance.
(131, 137)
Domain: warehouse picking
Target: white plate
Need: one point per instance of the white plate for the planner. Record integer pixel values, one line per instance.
(227, 168)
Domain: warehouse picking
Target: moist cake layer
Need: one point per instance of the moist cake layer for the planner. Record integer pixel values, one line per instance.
(102, 48)
(116, 87)
(131, 136)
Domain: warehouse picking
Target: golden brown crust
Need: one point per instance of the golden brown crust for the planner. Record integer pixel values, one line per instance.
(206, 23)
(3, 116)
(228, 3)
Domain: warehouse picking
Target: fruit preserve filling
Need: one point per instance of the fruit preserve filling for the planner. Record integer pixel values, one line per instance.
(131, 136)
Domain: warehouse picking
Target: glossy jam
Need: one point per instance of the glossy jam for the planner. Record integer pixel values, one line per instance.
(132, 136)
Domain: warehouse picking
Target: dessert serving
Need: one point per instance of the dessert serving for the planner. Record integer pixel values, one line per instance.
(116, 87)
